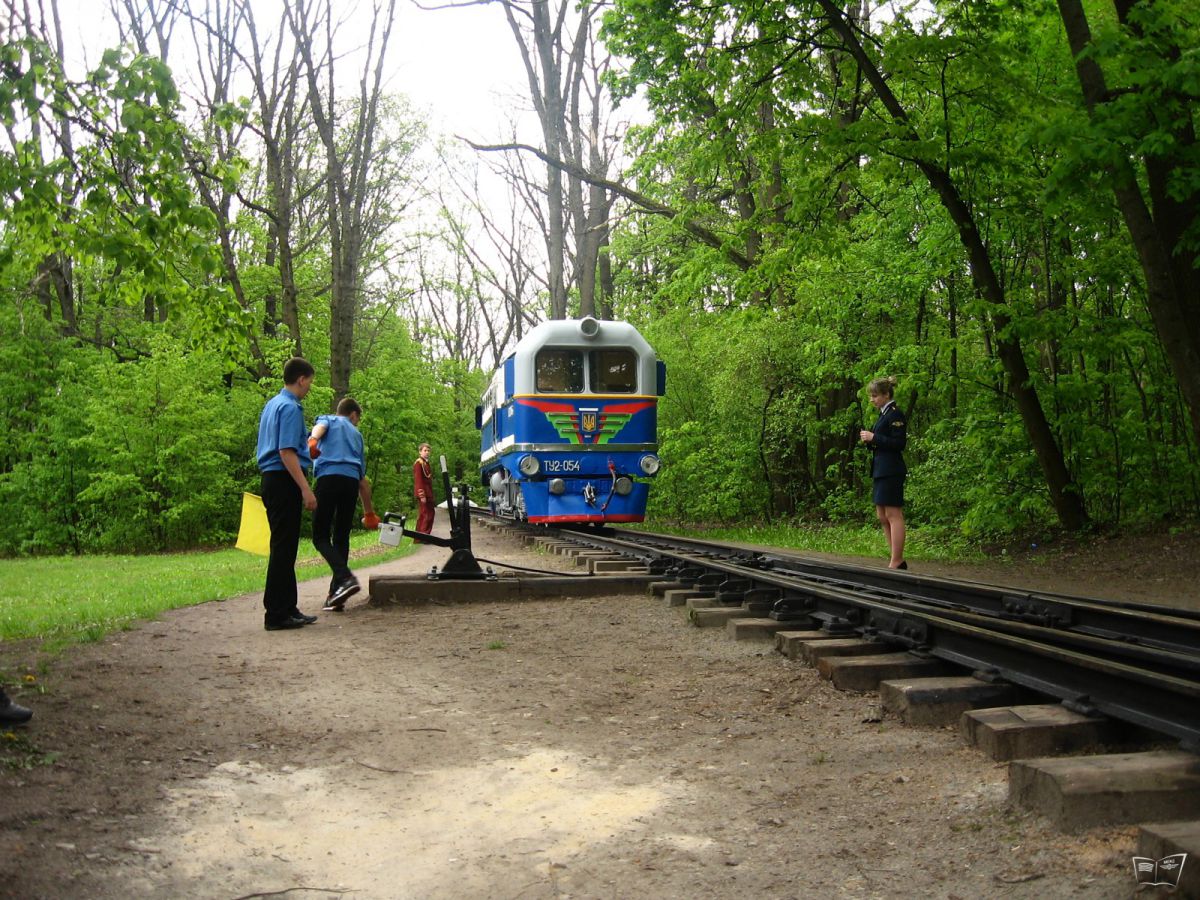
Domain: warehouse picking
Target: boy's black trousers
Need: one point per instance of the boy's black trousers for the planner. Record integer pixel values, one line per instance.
(337, 498)
(285, 505)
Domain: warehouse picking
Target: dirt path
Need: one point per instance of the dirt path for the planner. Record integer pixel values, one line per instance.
(583, 748)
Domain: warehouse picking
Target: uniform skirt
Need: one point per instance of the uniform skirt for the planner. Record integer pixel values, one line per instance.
(888, 491)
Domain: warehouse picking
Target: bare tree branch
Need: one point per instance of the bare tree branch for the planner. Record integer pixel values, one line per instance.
(649, 204)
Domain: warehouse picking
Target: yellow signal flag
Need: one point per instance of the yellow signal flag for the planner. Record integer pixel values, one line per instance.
(254, 535)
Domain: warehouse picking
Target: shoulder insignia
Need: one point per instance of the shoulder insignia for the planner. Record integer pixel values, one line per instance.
(899, 423)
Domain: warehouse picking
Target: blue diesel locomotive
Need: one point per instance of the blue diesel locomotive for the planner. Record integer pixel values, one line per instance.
(568, 425)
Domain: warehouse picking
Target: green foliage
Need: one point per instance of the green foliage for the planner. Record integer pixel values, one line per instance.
(164, 472)
(852, 267)
(129, 456)
(153, 454)
(704, 479)
(1153, 76)
(131, 380)
(404, 405)
(708, 427)
(18, 751)
(123, 202)
(133, 371)
(43, 469)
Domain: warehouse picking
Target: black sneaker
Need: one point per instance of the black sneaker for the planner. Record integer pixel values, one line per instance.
(346, 589)
(329, 604)
(286, 624)
(307, 620)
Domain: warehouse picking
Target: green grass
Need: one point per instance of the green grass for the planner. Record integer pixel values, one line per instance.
(843, 540)
(17, 751)
(65, 599)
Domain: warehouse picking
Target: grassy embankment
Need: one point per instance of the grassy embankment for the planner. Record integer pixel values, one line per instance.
(842, 540)
(67, 599)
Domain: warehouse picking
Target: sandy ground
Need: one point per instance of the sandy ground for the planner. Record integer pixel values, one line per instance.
(574, 748)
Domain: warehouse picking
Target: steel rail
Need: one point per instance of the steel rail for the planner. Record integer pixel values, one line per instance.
(1144, 630)
(1131, 641)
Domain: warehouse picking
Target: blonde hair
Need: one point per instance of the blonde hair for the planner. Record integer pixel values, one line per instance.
(882, 387)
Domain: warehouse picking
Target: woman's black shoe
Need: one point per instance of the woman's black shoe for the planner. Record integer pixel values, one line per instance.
(13, 713)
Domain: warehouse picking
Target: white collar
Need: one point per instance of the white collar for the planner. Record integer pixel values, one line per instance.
(883, 409)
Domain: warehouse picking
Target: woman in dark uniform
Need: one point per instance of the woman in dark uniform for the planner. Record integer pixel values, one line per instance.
(886, 440)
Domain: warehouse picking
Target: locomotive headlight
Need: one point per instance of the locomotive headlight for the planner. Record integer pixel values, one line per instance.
(557, 486)
(624, 486)
(529, 465)
(649, 464)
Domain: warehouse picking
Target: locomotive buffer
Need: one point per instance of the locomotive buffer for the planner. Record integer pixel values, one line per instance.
(462, 565)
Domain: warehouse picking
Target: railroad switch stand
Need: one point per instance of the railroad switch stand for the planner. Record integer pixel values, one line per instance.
(462, 565)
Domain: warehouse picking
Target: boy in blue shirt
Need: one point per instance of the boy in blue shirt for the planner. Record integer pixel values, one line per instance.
(284, 461)
(337, 447)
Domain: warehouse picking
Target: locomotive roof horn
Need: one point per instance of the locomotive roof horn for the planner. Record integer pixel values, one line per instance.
(589, 327)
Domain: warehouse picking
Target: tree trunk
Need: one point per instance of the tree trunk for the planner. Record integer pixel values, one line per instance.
(561, 79)
(280, 133)
(348, 158)
(1168, 263)
(54, 287)
(1067, 501)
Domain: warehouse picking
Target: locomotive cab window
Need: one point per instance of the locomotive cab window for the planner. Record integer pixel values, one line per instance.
(559, 371)
(613, 371)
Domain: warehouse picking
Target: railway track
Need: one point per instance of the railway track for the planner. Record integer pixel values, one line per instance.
(1092, 704)
(1131, 662)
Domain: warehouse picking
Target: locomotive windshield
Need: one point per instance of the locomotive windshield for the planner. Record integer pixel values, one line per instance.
(613, 371)
(609, 371)
(559, 371)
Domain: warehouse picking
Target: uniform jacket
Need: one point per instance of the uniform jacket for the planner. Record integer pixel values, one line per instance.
(423, 480)
(890, 438)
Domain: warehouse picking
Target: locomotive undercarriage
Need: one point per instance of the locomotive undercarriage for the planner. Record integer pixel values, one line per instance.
(504, 496)
(582, 498)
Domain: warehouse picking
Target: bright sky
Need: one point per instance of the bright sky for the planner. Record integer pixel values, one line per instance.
(461, 65)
